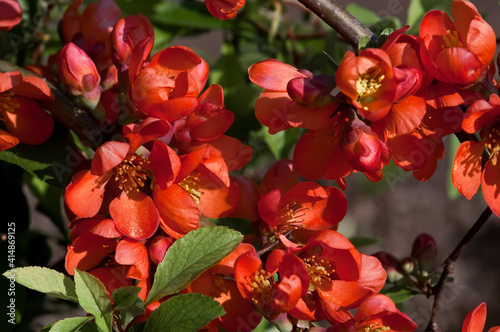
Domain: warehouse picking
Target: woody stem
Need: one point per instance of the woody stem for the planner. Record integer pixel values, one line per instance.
(340, 20)
(449, 265)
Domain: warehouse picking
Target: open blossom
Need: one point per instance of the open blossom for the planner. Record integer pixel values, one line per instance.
(10, 14)
(458, 51)
(468, 173)
(24, 118)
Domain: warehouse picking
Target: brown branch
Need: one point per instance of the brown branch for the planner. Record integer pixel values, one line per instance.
(340, 20)
(68, 113)
(449, 265)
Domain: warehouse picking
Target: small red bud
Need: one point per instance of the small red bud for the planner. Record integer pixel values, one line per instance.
(158, 247)
(424, 251)
(311, 92)
(391, 264)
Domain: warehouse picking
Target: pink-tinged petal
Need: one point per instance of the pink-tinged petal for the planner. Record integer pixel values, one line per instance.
(475, 319)
(139, 56)
(107, 156)
(272, 74)
(88, 251)
(224, 9)
(135, 214)
(146, 131)
(270, 110)
(85, 192)
(177, 208)
(213, 95)
(490, 185)
(212, 124)
(164, 163)
(466, 172)
(134, 253)
(217, 200)
(481, 113)
(28, 122)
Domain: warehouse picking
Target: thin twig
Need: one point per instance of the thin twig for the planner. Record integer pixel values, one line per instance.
(449, 267)
(340, 20)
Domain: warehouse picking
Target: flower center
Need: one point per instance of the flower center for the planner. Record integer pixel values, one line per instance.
(374, 327)
(218, 287)
(451, 40)
(318, 269)
(367, 84)
(262, 286)
(8, 102)
(191, 185)
(493, 144)
(291, 214)
(130, 173)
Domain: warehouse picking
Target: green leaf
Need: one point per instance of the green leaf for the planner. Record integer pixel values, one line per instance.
(281, 142)
(364, 15)
(44, 280)
(189, 257)
(186, 15)
(69, 324)
(184, 313)
(364, 42)
(360, 241)
(94, 299)
(48, 161)
(399, 294)
(126, 300)
(453, 145)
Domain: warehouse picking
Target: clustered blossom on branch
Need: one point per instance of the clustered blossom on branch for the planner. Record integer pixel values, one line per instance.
(167, 170)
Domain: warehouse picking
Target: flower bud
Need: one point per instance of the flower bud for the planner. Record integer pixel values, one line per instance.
(391, 265)
(424, 251)
(79, 74)
(311, 92)
(408, 265)
(11, 14)
(362, 148)
(127, 33)
(158, 247)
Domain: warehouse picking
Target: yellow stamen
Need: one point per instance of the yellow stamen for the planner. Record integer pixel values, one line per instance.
(7, 103)
(318, 269)
(368, 84)
(451, 40)
(130, 173)
(191, 185)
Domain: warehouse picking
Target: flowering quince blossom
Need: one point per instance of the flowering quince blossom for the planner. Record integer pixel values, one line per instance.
(458, 51)
(468, 172)
(24, 118)
(224, 9)
(10, 14)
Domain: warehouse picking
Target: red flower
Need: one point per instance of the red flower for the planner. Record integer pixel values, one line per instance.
(467, 173)
(475, 319)
(376, 313)
(460, 51)
(23, 116)
(10, 14)
(224, 9)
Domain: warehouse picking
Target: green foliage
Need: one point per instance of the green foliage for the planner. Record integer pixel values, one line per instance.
(399, 294)
(184, 313)
(189, 257)
(94, 299)
(45, 280)
(126, 300)
(72, 324)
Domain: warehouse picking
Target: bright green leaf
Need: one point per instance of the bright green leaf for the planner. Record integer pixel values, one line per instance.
(186, 15)
(44, 280)
(189, 257)
(453, 145)
(72, 324)
(94, 299)
(364, 15)
(184, 313)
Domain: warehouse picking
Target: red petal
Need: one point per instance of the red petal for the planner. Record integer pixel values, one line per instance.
(130, 252)
(87, 251)
(466, 172)
(475, 319)
(459, 65)
(272, 74)
(217, 200)
(177, 208)
(85, 192)
(164, 164)
(269, 205)
(490, 185)
(404, 116)
(135, 214)
(7, 140)
(287, 293)
(270, 110)
(146, 131)
(244, 269)
(108, 155)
